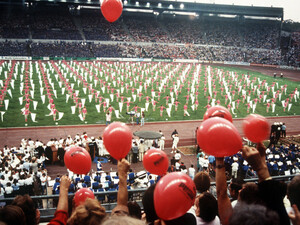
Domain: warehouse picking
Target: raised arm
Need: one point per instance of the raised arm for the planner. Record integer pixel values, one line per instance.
(122, 199)
(224, 205)
(256, 158)
(271, 191)
(61, 214)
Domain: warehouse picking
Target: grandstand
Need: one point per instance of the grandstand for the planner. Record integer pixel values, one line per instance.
(67, 54)
(206, 33)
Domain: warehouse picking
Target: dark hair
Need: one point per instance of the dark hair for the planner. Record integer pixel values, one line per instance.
(250, 194)
(28, 207)
(12, 214)
(134, 210)
(253, 215)
(148, 203)
(202, 181)
(235, 186)
(187, 218)
(293, 191)
(208, 206)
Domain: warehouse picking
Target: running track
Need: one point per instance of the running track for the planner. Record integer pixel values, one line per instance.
(186, 129)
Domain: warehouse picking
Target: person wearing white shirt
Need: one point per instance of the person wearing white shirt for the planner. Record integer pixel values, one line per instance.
(177, 165)
(201, 162)
(175, 143)
(205, 163)
(69, 140)
(8, 189)
(44, 183)
(234, 169)
(162, 142)
(177, 156)
(142, 149)
(192, 172)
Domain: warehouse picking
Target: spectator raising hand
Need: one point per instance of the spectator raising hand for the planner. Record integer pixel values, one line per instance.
(122, 199)
(61, 214)
(256, 158)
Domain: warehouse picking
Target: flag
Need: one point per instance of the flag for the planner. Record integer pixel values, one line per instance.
(90, 98)
(43, 98)
(80, 117)
(6, 102)
(2, 113)
(146, 106)
(35, 104)
(60, 116)
(33, 116)
(21, 100)
(117, 114)
(83, 102)
(98, 108)
(73, 109)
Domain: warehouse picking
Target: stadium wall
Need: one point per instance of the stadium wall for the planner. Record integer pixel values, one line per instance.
(150, 60)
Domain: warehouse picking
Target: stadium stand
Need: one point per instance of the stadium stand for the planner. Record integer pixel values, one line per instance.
(66, 35)
(205, 38)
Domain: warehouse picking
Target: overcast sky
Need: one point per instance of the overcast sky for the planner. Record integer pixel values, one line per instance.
(291, 8)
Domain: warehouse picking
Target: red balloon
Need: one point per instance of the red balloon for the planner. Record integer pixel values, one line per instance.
(218, 137)
(156, 161)
(81, 195)
(217, 111)
(111, 9)
(174, 195)
(78, 160)
(256, 128)
(117, 139)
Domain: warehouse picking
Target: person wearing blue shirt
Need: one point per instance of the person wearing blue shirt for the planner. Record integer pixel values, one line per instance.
(87, 180)
(97, 177)
(108, 177)
(151, 181)
(275, 169)
(99, 165)
(56, 186)
(77, 179)
(131, 176)
(95, 185)
(112, 197)
(101, 189)
(107, 183)
(71, 188)
(15, 187)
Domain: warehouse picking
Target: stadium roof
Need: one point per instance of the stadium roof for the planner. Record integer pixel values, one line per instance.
(166, 6)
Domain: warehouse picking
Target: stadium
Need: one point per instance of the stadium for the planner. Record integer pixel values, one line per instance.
(66, 73)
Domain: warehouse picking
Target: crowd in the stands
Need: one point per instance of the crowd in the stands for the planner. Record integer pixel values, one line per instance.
(263, 201)
(221, 39)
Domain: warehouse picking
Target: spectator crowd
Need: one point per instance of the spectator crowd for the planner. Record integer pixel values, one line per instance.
(210, 39)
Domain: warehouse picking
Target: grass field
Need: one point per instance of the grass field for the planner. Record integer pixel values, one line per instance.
(155, 75)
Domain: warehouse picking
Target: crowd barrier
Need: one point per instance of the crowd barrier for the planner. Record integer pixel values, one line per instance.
(47, 203)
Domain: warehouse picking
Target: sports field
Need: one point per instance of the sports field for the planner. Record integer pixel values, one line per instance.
(74, 84)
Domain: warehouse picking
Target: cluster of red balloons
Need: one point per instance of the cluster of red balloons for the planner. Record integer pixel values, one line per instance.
(111, 9)
(174, 195)
(217, 135)
(117, 139)
(156, 162)
(78, 160)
